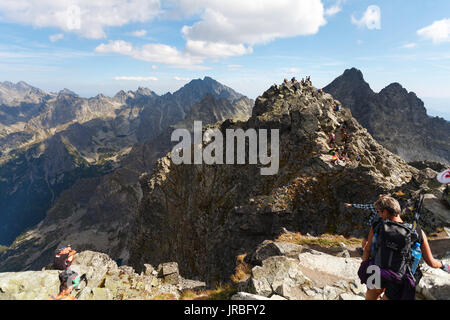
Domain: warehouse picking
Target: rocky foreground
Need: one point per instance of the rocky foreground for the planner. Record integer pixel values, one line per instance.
(275, 270)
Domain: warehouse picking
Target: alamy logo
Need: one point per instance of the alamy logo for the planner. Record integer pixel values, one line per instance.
(213, 153)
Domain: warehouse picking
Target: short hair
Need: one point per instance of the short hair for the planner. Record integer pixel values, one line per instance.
(388, 203)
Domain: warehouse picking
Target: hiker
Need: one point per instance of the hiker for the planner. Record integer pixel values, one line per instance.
(332, 138)
(334, 159)
(69, 280)
(285, 81)
(337, 107)
(391, 252)
(63, 258)
(293, 80)
(344, 137)
(358, 158)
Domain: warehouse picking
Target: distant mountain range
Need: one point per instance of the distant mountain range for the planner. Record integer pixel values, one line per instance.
(70, 167)
(49, 141)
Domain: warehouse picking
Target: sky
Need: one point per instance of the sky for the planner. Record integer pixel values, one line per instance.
(104, 46)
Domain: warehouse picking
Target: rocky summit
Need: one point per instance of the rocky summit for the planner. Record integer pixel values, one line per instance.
(396, 118)
(203, 216)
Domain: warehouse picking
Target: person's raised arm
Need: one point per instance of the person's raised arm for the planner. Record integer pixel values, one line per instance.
(427, 255)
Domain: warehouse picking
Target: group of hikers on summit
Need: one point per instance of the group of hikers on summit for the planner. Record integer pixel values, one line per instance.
(396, 248)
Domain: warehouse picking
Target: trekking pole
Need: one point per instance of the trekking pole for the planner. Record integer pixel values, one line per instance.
(418, 212)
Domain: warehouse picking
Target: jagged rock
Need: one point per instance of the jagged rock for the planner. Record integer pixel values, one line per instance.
(304, 196)
(435, 283)
(276, 275)
(270, 248)
(28, 285)
(396, 118)
(169, 272)
(105, 281)
(439, 210)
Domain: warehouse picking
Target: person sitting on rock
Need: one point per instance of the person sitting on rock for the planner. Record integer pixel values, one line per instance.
(337, 107)
(69, 280)
(63, 258)
(394, 284)
(358, 158)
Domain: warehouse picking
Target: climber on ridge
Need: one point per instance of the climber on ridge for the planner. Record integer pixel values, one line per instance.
(389, 247)
(332, 138)
(63, 258)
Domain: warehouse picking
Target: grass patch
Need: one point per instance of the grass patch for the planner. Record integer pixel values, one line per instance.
(326, 240)
(164, 296)
(222, 292)
(3, 248)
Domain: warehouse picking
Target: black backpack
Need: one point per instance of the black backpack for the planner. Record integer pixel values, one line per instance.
(393, 244)
(60, 261)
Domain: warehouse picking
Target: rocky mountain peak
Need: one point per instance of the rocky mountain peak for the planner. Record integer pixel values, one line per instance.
(395, 117)
(66, 91)
(353, 74)
(238, 207)
(144, 91)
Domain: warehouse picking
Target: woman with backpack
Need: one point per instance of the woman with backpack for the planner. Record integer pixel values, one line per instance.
(389, 246)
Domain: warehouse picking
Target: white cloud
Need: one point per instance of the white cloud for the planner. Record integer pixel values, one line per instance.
(56, 37)
(139, 33)
(335, 9)
(159, 53)
(136, 79)
(331, 11)
(438, 32)
(409, 45)
(250, 22)
(216, 49)
(85, 17)
(154, 67)
(371, 18)
(292, 70)
(180, 79)
(235, 66)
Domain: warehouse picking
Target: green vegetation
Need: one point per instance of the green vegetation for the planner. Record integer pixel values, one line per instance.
(3, 248)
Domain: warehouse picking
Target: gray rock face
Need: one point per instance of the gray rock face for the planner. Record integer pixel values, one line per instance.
(199, 211)
(106, 281)
(396, 118)
(277, 275)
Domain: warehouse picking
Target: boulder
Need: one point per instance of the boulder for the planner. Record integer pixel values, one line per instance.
(169, 272)
(276, 275)
(28, 285)
(435, 283)
(270, 249)
(343, 268)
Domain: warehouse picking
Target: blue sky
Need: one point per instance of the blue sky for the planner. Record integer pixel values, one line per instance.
(103, 46)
